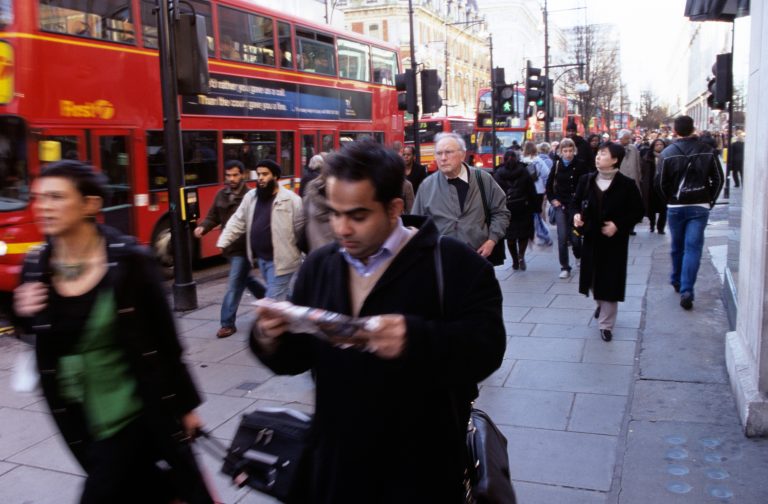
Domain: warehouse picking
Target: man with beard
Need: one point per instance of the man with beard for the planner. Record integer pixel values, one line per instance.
(271, 218)
(224, 206)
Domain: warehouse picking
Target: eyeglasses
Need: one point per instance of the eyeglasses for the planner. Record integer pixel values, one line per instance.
(445, 153)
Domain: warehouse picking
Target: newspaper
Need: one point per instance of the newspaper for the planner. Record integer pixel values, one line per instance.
(322, 323)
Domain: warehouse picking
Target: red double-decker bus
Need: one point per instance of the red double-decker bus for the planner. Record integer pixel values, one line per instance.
(429, 127)
(81, 80)
(509, 129)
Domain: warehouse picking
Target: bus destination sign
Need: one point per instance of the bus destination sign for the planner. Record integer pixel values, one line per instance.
(246, 97)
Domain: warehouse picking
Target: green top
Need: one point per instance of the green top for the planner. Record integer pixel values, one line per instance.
(98, 374)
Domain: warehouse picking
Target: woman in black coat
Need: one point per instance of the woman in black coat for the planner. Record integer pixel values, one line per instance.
(653, 203)
(107, 352)
(515, 179)
(606, 207)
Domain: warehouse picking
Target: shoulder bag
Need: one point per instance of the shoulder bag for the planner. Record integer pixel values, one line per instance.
(487, 477)
(498, 255)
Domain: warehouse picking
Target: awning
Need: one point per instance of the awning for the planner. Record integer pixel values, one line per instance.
(716, 10)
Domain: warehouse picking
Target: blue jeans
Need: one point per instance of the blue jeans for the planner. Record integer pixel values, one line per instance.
(564, 220)
(277, 285)
(239, 278)
(686, 224)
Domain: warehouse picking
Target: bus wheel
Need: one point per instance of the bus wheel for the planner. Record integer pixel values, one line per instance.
(162, 246)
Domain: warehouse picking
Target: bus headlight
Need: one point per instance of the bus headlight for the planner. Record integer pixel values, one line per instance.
(3, 248)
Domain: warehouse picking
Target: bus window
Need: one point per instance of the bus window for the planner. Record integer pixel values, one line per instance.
(354, 60)
(284, 39)
(286, 153)
(327, 142)
(354, 136)
(200, 159)
(149, 22)
(246, 37)
(14, 177)
(115, 164)
(250, 147)
(384, 66)
(107, 19)
(307, 149)
(316, 52)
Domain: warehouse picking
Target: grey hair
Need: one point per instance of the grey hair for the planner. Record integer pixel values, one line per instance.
(544, 148)
(316, 162)
(455, 136)
(624, 133)
(567, 142)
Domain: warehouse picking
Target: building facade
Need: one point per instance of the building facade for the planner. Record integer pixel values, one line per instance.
(449, 35)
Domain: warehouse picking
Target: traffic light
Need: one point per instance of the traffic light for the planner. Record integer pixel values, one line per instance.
(406, 100)
(550, 100)
(430, 91)
(721, 85)
(505, 100)
(534, 86)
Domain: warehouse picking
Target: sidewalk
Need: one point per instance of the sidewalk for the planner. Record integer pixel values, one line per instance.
(648, 417)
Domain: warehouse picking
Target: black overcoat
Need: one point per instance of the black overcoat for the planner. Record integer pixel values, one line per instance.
(393, 430)
(604, 259)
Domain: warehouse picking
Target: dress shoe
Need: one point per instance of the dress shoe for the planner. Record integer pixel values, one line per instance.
(606, 334)
(523, 266)
(676, 286)
(226, 332)
(662, 233)
(686, 300)
(632, 233)
(515, 266)
(597, 312)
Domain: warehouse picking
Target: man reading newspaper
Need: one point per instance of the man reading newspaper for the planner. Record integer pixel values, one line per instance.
(392, 403)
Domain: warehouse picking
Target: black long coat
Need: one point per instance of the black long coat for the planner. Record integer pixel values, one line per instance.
(652, 200)
(520, 220)
(604, 259)
(393, 430)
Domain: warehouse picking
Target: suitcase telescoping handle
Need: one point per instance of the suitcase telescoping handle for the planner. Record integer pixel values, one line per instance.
(219, 450)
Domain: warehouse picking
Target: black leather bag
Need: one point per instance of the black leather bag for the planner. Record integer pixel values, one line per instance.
(488, 478)
(270, 453)
(498, 255)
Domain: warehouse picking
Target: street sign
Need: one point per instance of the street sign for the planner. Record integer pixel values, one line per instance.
(541, 114)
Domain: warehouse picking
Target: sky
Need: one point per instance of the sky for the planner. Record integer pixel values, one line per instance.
(647, 31)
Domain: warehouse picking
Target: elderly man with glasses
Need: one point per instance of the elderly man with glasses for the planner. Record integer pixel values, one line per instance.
(454, 198)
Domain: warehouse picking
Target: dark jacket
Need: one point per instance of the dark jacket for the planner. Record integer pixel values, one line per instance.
(516, 182)
(393, 430)
(309, 176)
(652, 200)
(604, 259)
(584, 152)
(224, 205)
(690, 173)
(146, 332)
(736, 154)
(562, 181)
(417, 176)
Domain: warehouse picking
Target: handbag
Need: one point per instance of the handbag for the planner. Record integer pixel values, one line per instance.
(487, 477)
(498, 255)
(270, 453)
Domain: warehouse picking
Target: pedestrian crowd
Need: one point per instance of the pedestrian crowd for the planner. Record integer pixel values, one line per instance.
(373, 235)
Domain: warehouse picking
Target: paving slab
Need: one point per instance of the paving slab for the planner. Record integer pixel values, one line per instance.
(559, 316)
(569, 459)
(527, 299)
(499, 376)
(513, 313)
(555, 349)
(579, 331)
(696, 463)
(518, 329)
(561, 287)
(11, 399)
(218, 409)
(615, 352)
(526, 408)
(573, 300)
(532, 493)
(299, 388)
(22, 429)
(30, 485)
(5, 467)
(571, 377)
(211, 350)
(710, 403)
(52, 453)
(597, 414)
(218, 378)
(683, 357)
(515, 285)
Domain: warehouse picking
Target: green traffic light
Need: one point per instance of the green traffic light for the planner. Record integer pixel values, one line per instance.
(539, 103)
(507, 107)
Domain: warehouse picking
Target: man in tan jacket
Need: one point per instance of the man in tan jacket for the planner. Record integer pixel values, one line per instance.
(272, 220)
